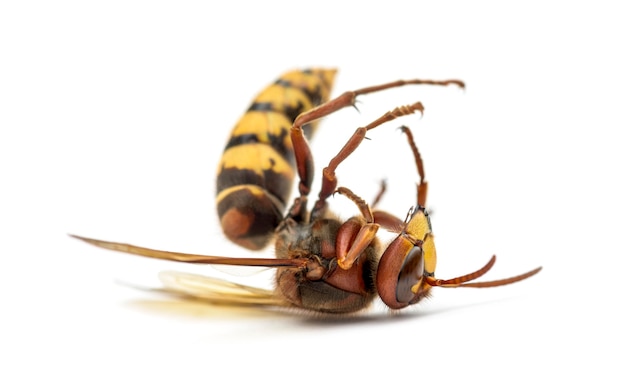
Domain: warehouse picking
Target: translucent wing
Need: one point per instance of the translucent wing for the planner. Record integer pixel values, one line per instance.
(217, 291)
(192, 258)
(204, 288)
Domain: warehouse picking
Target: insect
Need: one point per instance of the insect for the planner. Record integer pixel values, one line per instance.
(322, 264)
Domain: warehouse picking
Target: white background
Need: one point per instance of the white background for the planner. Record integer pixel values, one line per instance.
(113, 116)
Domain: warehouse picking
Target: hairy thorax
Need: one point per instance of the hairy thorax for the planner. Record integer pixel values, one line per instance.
(322, 286)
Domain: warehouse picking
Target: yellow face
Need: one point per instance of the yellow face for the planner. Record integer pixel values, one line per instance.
(419, 229)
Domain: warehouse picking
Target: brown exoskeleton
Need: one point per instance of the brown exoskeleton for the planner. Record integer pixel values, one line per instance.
(322, 264)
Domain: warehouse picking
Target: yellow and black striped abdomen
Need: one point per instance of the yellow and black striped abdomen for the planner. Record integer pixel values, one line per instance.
(256, 173)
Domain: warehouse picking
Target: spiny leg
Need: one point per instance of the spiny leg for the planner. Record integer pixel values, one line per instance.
(391, 222)
(329, 178)
(422, 186)
(388, 221)
(304, 158)
(381, 191)
(364, 208)
(348, 253)
(348, 98)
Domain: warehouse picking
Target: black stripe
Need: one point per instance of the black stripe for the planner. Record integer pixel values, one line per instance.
(314, 96)
(277, 184)
(263, 107)
(290, 112)
(275, 141)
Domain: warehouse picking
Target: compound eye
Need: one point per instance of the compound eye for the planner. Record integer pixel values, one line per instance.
(410, 276)
(400, 273)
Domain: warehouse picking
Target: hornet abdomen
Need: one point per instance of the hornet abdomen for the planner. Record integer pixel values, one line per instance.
(256, 172)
